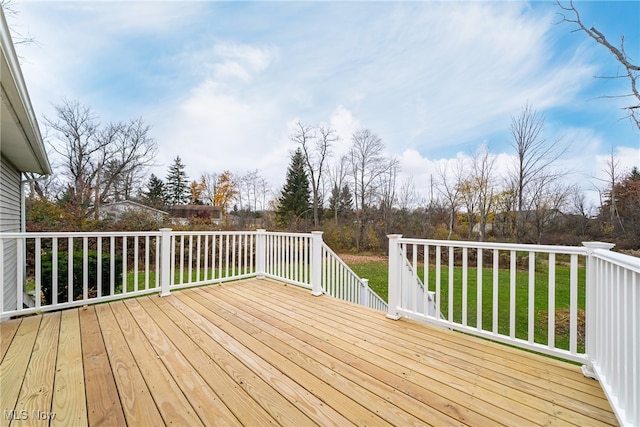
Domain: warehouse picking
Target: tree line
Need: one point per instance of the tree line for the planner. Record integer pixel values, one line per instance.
(356, 198)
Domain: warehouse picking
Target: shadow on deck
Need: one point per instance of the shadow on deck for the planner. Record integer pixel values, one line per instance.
(258, 352)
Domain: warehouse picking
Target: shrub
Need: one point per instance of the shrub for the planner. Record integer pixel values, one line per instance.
(63, 275)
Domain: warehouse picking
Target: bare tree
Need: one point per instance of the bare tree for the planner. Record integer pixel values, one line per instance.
(11, 12)
(387, 193)
(367, 163)
(613, 176)
(467, 189)
(448, 185)
(253, 190)
(483, 166)
(534, 158)
(76, 126)
(128, 151)
(210, 182)
(100, 163)
(549, 200)
(338, 179)
(407, 195)
(631, 71)
(315, 149)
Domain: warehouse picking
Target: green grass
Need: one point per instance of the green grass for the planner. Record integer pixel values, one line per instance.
(377, 273)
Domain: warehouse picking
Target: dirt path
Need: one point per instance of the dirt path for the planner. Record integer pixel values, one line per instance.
(361, 259)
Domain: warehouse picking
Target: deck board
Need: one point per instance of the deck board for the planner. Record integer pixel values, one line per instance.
(259, 352)
(137, 404)
(8, 330)
(13, 368)
(37, 388)
(340, 408)
(185, 367)
(103, 403)
(69, 397)
(172, 404)
(458, 393)
(537, 394)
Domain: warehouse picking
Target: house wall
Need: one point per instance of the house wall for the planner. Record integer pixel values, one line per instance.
(9, 222)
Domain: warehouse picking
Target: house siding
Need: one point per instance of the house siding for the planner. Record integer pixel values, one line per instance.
(10, 219)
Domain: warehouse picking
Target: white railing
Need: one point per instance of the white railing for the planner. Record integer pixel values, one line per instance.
(342, 282)
(291, 257)
(288, 257)
(203, 257)
(60, 270)
(577, 303)
(63, 270)
(613, 328)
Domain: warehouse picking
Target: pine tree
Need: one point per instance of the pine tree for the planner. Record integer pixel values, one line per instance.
(177, 184)
(340, 202)
(334, 201)
(155, 194)
(295, 199)
(345, 204)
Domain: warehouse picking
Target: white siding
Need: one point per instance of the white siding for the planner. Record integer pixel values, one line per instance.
(9, 222)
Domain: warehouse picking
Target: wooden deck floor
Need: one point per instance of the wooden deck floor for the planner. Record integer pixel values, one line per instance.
(258, 352)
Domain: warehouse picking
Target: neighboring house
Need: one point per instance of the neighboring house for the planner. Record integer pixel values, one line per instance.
(21, 150)
(181, 214)
(116, 209)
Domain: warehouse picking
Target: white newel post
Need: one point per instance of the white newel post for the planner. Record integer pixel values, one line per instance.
(20, 250)
(394, 276)
(261, 252)
(591, 320)
(165, 261)
(364, 292)
(316, 263)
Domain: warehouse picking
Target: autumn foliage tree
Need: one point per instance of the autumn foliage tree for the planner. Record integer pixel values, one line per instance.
(625, 197)
(226, 191)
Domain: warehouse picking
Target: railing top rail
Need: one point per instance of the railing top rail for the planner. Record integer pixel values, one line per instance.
(32, 235)
(340, 261)
(579, 250)
(287, 234)
(210, 233)
(627, 261)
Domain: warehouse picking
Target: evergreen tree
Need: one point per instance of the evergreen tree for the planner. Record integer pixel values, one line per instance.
(340, 202)
(155, 194)
(334, 201)
(345, 204)
(177, 184)
(295, 199)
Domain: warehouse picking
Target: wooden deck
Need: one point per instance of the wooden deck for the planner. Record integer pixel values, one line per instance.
(258, 352)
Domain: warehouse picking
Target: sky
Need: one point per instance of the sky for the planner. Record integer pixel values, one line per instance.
(223, 83)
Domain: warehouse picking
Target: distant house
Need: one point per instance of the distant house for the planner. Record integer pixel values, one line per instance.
(182, 213)
(21, 150)
(116, 209)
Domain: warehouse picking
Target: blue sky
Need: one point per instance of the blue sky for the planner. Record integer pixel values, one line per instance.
(222, 82)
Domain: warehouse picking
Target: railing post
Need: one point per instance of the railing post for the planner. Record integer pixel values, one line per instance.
(316, 263)
(591, 320)
(394, 276)
(261, 252)
(165, 261)
(364, 292)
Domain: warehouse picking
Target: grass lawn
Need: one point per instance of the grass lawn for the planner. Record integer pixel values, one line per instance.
(376, 270)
